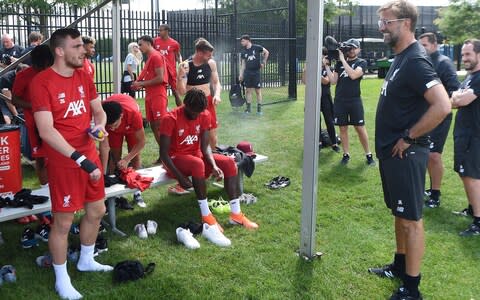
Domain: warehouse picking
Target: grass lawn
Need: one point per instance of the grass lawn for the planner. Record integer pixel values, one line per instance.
(354, 230)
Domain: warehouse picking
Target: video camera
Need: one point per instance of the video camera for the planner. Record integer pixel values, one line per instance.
(6, 59)
(333, 46)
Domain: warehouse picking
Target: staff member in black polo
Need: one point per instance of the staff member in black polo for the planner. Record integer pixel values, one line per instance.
(466, 132)
(445, 69)
(412, 102)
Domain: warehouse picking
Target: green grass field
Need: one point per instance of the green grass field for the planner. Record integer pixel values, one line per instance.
(354, 230)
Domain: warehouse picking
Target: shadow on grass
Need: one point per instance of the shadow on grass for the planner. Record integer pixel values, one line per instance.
(303, 279)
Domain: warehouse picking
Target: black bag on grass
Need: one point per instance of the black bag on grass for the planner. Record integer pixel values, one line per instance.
(131, 270)
(236, 96)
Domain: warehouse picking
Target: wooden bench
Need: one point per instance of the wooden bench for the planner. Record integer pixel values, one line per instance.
(159, 178)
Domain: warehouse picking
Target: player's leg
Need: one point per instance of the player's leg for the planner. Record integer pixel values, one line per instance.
(230, 172)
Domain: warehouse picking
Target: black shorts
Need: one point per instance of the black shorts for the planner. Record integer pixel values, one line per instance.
(403, 182)
(251, 79)
(466, 158)
(438, 136)
(348, 112)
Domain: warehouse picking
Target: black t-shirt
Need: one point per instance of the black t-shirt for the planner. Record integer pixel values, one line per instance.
(346, 87)
(445, 71)
(467, 120)
(16, 51)
(252, 57)
(401, 102)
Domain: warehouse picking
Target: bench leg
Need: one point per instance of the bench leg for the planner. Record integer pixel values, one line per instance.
(112, 218)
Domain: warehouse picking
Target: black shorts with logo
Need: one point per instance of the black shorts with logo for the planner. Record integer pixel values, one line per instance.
(403, 182)
(348, 112)
(251, 79)
(438, 136)
(466, 158)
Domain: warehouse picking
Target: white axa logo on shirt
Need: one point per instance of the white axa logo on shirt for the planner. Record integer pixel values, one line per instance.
(189, 140)
(200, 76)
(66, 201)
(251, 57)
(164, 52)
(76, 107)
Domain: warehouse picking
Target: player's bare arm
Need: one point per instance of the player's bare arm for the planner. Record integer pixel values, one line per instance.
(215, 81)
(265, 57)
(182, 78)
(165, 142)
(140, 137)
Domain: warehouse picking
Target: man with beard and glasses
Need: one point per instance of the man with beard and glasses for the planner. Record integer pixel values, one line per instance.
(64, 102)
(447, 74)
(412, 102)
(466, 132)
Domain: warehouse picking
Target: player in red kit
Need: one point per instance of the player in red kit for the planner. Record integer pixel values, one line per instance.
(154, 79)
(124, 121)
(89, 45)
(170, 48)
(185, 151)
(64, 100)
(41, 58)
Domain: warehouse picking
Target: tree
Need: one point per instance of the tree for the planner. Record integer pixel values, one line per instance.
(37, 9)
(460, 20)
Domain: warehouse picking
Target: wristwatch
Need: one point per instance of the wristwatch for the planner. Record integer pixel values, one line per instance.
(406, 137)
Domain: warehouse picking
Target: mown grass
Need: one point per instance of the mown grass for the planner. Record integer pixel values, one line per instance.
(354, 230)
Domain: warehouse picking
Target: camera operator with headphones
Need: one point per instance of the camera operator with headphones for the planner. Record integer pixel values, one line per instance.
(348, 107)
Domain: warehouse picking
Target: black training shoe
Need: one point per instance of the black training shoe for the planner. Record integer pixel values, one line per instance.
(472, 229)
(466, 212)
(28, 239)
(101, 244)
(336, 148)
(387, 271)
(370, 160)
(345, 159)
(403, 294)
(431, 203)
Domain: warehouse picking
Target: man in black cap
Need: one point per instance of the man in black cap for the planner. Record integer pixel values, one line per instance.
(348, 107)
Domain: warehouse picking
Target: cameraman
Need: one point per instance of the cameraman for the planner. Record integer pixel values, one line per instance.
(10, 52)
(348, 107)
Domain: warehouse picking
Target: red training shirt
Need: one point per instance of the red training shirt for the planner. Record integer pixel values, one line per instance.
(89, 68)
(167, 48)
(21, 89)
(68, 99)
(132, 117)
(184, 133)
(155, 60)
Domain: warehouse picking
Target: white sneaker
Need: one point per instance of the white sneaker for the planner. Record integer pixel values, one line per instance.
(247, 199)
(141, 231)
(152, 227)
(214, 235)
(185, 237)
(139, 200)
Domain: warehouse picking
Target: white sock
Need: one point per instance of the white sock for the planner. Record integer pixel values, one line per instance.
(235, 206)
(369, 153)
(87, 263)
(63, 286)
(137, 193)
(204, 210)
(44, 185)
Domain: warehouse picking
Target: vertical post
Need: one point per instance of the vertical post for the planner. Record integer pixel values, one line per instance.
(234, 56)
(116, 38)
(311, 128)
(292, 60)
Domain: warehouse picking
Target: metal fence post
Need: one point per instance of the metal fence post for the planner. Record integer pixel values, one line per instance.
(292, 69)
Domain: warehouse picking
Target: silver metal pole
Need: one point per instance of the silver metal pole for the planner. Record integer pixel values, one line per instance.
(116, 61)
(311, 128)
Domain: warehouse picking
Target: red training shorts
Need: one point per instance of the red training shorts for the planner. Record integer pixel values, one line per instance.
(213, 112)
(70, 189)
(197, 167)
(155, 106)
